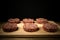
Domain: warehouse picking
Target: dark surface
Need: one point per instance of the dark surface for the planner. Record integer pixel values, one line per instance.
(28, 8)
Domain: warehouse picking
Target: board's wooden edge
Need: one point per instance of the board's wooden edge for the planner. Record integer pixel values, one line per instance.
(27, 36)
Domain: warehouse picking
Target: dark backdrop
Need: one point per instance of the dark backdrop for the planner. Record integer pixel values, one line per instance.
(33, 9)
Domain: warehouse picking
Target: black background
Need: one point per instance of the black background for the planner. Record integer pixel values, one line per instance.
(29, 9)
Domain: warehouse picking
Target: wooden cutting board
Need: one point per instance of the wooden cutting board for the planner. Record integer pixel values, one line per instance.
(21, 33)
